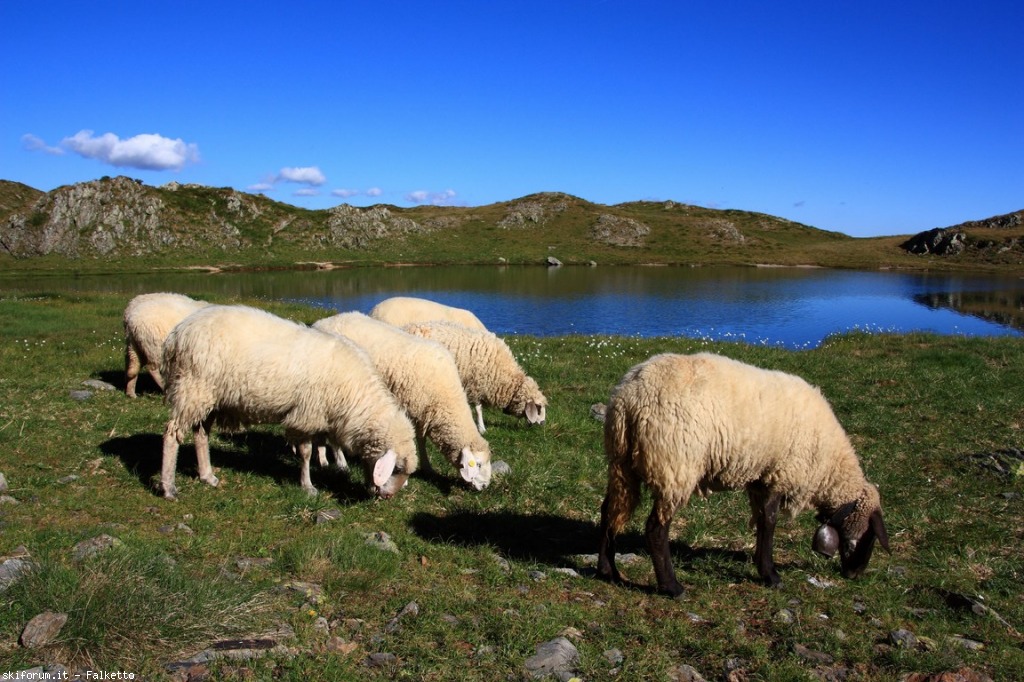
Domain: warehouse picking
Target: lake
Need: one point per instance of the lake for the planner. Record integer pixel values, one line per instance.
(791, 307)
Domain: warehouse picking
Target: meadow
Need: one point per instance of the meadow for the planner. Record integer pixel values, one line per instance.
(936, 420)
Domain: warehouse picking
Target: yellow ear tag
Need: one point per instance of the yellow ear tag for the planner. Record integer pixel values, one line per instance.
(471, 463)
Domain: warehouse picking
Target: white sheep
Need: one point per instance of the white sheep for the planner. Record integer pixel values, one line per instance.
(489, 371)
(402, 310)
(423, 376)
(234, 365)
(148, 319)
(682, 424)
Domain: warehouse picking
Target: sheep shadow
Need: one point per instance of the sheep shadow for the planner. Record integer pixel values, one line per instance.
(143, 385)
(562, 542)
(255, 452)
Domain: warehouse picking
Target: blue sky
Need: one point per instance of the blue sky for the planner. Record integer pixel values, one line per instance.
(868, 118)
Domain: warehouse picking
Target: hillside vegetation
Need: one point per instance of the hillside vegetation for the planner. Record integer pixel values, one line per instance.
(120, 223)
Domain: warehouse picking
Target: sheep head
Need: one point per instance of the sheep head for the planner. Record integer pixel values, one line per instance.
(852, 530)
(386, 481)
(528, 401)
(475, 467)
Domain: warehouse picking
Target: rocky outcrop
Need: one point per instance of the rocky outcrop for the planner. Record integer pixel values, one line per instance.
(353, 228)
(619, 231)
(938, 241)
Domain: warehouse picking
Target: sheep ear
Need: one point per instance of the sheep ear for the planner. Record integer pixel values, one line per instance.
(878, 525)
(468, 466)
(534, 413)
(384, 467)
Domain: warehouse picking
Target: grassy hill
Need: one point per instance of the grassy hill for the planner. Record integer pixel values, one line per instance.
(120, 223)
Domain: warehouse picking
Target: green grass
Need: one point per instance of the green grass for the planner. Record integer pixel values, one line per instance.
(918, 408)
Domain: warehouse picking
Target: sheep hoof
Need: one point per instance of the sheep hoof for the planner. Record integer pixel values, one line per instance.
(773, 581)
(675, 591)
(211, 480)
(310, 490)
(171, 493)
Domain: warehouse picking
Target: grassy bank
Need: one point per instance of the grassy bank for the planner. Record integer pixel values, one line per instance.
(925, 413)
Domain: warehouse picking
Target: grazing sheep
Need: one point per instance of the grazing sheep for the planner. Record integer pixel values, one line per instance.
(423, 376)
(148, 319)
(489, 371)
(235, 365)
(402, 310)
(700, 423)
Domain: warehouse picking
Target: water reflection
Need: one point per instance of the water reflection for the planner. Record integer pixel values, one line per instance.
(795, 307)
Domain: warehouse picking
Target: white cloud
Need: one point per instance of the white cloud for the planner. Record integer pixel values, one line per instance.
(35, 144)
(346, 193)
(309, 175)
(146, 151)
(445, 198)
(306, 192)
(374, 192)
(261, 187)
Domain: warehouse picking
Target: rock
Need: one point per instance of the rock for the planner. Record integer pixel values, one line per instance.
(969, 644)
(88, 548)
(567, 571)
(42, 629)
(327, 515)
(685, 673)
(99, 385)
(12, 569)
(613, 656)
(246, 563)
(313, 593)
(7, 499)
(962, 675)
(553, 262)
(80, 395)
(382, 541)
(70, 478)
(619, 231)
(503, 563)
(500, 468)
(785, 616)
(812, 655)
(410, 610)
(555, 657)
(537, 576)
(321, 625)
(904, 639)
(598, 410)
(938, 241)
(381, 660)
(3, 483)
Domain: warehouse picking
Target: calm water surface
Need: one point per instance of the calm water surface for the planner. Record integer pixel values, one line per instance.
(794, 307)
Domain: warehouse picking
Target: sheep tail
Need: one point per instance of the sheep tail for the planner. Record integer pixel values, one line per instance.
(623, 492)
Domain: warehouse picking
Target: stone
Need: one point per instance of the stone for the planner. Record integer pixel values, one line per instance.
(812, 655)
(3, 483)
(11, 570)
(905, 639)
(80, 395)
(598, 411)
(42, 629)
(553, 262)
(553, 658)
(99, 385)
(93, 546)
(327, 515)
(613, 656)
(685, 673)
(500, 468)
(381, 660)
(938, 241)
(382, 541)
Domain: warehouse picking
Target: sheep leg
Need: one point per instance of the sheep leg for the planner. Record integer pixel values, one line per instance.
(421, 450)
(765, 509)
(620, 502)
(480, 418)
(305, 450)
(170, 462)
(154, 372)
(606, 568)
(201, 437)
(132, 367)
(657, 544)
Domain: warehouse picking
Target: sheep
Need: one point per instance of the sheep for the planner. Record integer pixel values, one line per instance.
(402, 310)
(423, 376)
(148, 319)
(489, 371)
(701, 423)
(235, 365)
